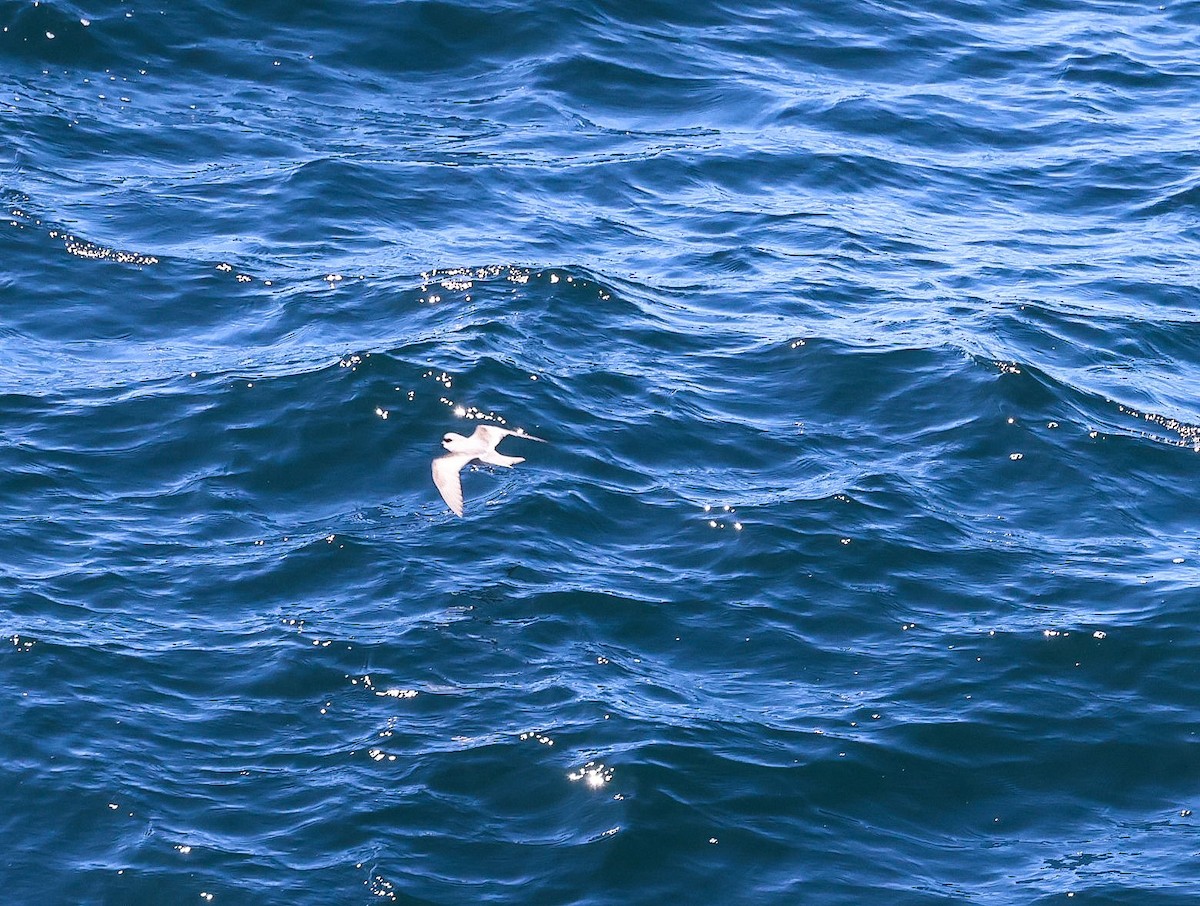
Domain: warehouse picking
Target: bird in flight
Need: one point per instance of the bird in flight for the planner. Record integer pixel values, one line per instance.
(461, 450)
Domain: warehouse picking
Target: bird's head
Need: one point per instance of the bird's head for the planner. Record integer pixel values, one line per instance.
(451, 441)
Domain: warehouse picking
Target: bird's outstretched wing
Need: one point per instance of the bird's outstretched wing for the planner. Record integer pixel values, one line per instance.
(445, 477)
(492, 435)
(524, 436)
(489, 435)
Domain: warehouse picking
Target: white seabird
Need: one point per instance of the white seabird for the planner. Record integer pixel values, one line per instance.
(461, 450)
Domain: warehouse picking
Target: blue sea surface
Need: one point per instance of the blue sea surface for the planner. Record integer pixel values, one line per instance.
(861, 563)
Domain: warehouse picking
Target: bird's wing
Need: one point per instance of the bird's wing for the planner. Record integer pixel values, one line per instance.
(524, 436)
(490, 435)
(445, 477)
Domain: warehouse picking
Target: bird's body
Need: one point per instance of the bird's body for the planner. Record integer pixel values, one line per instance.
(461, 450)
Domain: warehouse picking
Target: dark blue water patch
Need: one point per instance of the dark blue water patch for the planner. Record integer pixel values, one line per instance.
(1121, 71)
(58, 33)
(1175, 199)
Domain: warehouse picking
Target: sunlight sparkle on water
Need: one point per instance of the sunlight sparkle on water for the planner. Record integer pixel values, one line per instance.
(594, 774)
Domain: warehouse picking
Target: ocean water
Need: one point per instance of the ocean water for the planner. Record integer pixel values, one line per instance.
(861, 562)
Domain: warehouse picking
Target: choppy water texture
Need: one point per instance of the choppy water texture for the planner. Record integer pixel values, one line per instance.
(860, 565)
